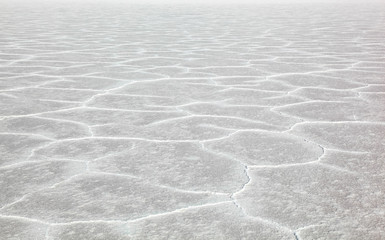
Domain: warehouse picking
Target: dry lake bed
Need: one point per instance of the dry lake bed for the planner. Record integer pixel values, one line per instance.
(126, 121)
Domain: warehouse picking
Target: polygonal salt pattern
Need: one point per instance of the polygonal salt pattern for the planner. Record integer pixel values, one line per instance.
(181, 165)
(222, 221)
(122, 121)
(266, 148)
(295, 196)
(105, 197)
(15, 228)
(28, 178)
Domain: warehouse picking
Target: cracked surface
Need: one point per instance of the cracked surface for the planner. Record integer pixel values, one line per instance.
(174, 122)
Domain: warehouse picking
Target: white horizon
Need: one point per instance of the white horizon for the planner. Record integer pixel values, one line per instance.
(216, 2)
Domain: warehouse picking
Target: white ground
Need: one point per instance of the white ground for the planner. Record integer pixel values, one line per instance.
(181, 122)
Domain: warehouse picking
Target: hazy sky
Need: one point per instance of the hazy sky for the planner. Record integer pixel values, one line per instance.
(381, 2)
(209, 1)
(250, 1)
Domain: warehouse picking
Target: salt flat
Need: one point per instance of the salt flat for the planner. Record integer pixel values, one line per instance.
(192, 122)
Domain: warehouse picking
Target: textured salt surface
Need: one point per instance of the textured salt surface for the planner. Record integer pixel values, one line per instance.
(189, 122)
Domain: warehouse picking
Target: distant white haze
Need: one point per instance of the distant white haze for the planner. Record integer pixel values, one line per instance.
(207, 1)
(250, 1)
